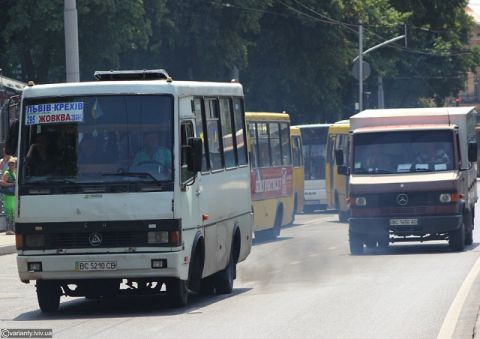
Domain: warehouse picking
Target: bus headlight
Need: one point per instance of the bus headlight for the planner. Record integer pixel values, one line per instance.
(360, 201)
(158, 237)
(34, 240)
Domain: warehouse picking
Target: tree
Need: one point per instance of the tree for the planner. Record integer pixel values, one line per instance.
(301, 62)
(438, 57)
(32, 36)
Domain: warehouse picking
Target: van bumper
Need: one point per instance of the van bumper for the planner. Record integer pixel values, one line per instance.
(425, 225)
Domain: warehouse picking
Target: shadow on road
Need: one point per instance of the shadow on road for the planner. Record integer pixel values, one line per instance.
(415, 248)
(125, 306)
(260, 241)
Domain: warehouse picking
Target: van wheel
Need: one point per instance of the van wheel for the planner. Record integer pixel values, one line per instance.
(223, 280)
(469, 222)
(48, 295)
(456, 239)
(177, 292)
(356, 243)
(469, 237)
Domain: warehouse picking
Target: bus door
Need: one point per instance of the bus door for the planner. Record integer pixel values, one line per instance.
(329, 173)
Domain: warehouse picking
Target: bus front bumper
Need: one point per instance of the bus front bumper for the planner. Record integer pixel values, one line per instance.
(101, 266)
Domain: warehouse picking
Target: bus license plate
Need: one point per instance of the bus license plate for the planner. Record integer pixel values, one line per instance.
(403, 222)
(86, 266)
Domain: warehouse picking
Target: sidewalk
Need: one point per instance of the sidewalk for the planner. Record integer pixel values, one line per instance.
(7, 243)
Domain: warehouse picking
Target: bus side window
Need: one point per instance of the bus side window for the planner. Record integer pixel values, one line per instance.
(253, 144)
(285, 141)
(239, 117)
(197, 107)
(215, 150)
(229, 148)
(186, 132)
(275, 147)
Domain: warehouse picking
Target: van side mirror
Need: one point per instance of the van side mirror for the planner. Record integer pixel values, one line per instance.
(194, 155)
(342, 170)
(472, 151)
(339, 157)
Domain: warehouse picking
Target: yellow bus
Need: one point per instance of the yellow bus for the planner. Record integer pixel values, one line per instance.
(298, 169)
(337, 185)
(271, 172)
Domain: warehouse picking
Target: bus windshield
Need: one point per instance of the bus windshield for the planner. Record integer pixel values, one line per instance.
(403, 152)
(314, 141)
(97, 139)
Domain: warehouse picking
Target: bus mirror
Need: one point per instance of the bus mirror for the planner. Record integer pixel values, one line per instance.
(342, 170)
(194, 155)
(472, 151)
(339, 157)
(12, 138)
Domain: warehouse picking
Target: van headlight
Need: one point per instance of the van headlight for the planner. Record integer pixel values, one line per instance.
(360, 201)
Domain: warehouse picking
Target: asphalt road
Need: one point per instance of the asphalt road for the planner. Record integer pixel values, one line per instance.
(303, 285)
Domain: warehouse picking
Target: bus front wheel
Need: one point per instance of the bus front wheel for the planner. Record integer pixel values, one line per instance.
(48, 295)
(177, 292)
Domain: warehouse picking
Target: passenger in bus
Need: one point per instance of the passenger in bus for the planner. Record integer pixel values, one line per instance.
(37, 158)
(88, 150)
(152, 152)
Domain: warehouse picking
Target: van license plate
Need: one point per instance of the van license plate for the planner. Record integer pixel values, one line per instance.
(86, 266)
(402, 222)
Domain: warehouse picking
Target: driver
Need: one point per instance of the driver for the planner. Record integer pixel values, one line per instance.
(152, 151)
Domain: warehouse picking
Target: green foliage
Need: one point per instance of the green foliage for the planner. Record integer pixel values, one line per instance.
(293, 55)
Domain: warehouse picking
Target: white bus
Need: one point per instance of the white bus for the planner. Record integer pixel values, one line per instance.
(126, 187)
(314, 139)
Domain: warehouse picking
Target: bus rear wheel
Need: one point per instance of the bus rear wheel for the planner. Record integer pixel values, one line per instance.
(223, 280)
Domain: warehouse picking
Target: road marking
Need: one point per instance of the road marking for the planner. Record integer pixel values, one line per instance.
(450, 321)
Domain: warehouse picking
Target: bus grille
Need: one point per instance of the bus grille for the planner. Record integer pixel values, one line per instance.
(82, 240)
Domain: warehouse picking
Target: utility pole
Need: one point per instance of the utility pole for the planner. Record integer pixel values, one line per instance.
(360, 67)
(71, 41)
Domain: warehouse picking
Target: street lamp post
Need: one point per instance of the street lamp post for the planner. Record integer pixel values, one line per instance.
(361, 53)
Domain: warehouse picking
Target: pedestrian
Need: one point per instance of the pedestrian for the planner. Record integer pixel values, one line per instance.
(8, 181)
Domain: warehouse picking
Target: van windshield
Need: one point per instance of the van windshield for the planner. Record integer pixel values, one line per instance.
(403, 152)
(97, 139)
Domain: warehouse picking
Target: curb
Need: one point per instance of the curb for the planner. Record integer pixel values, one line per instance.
(8, 249)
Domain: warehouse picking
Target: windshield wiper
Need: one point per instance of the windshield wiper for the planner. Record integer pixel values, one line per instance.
(143, 175)
(373, 171)
(54, 180)
(421, 170)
